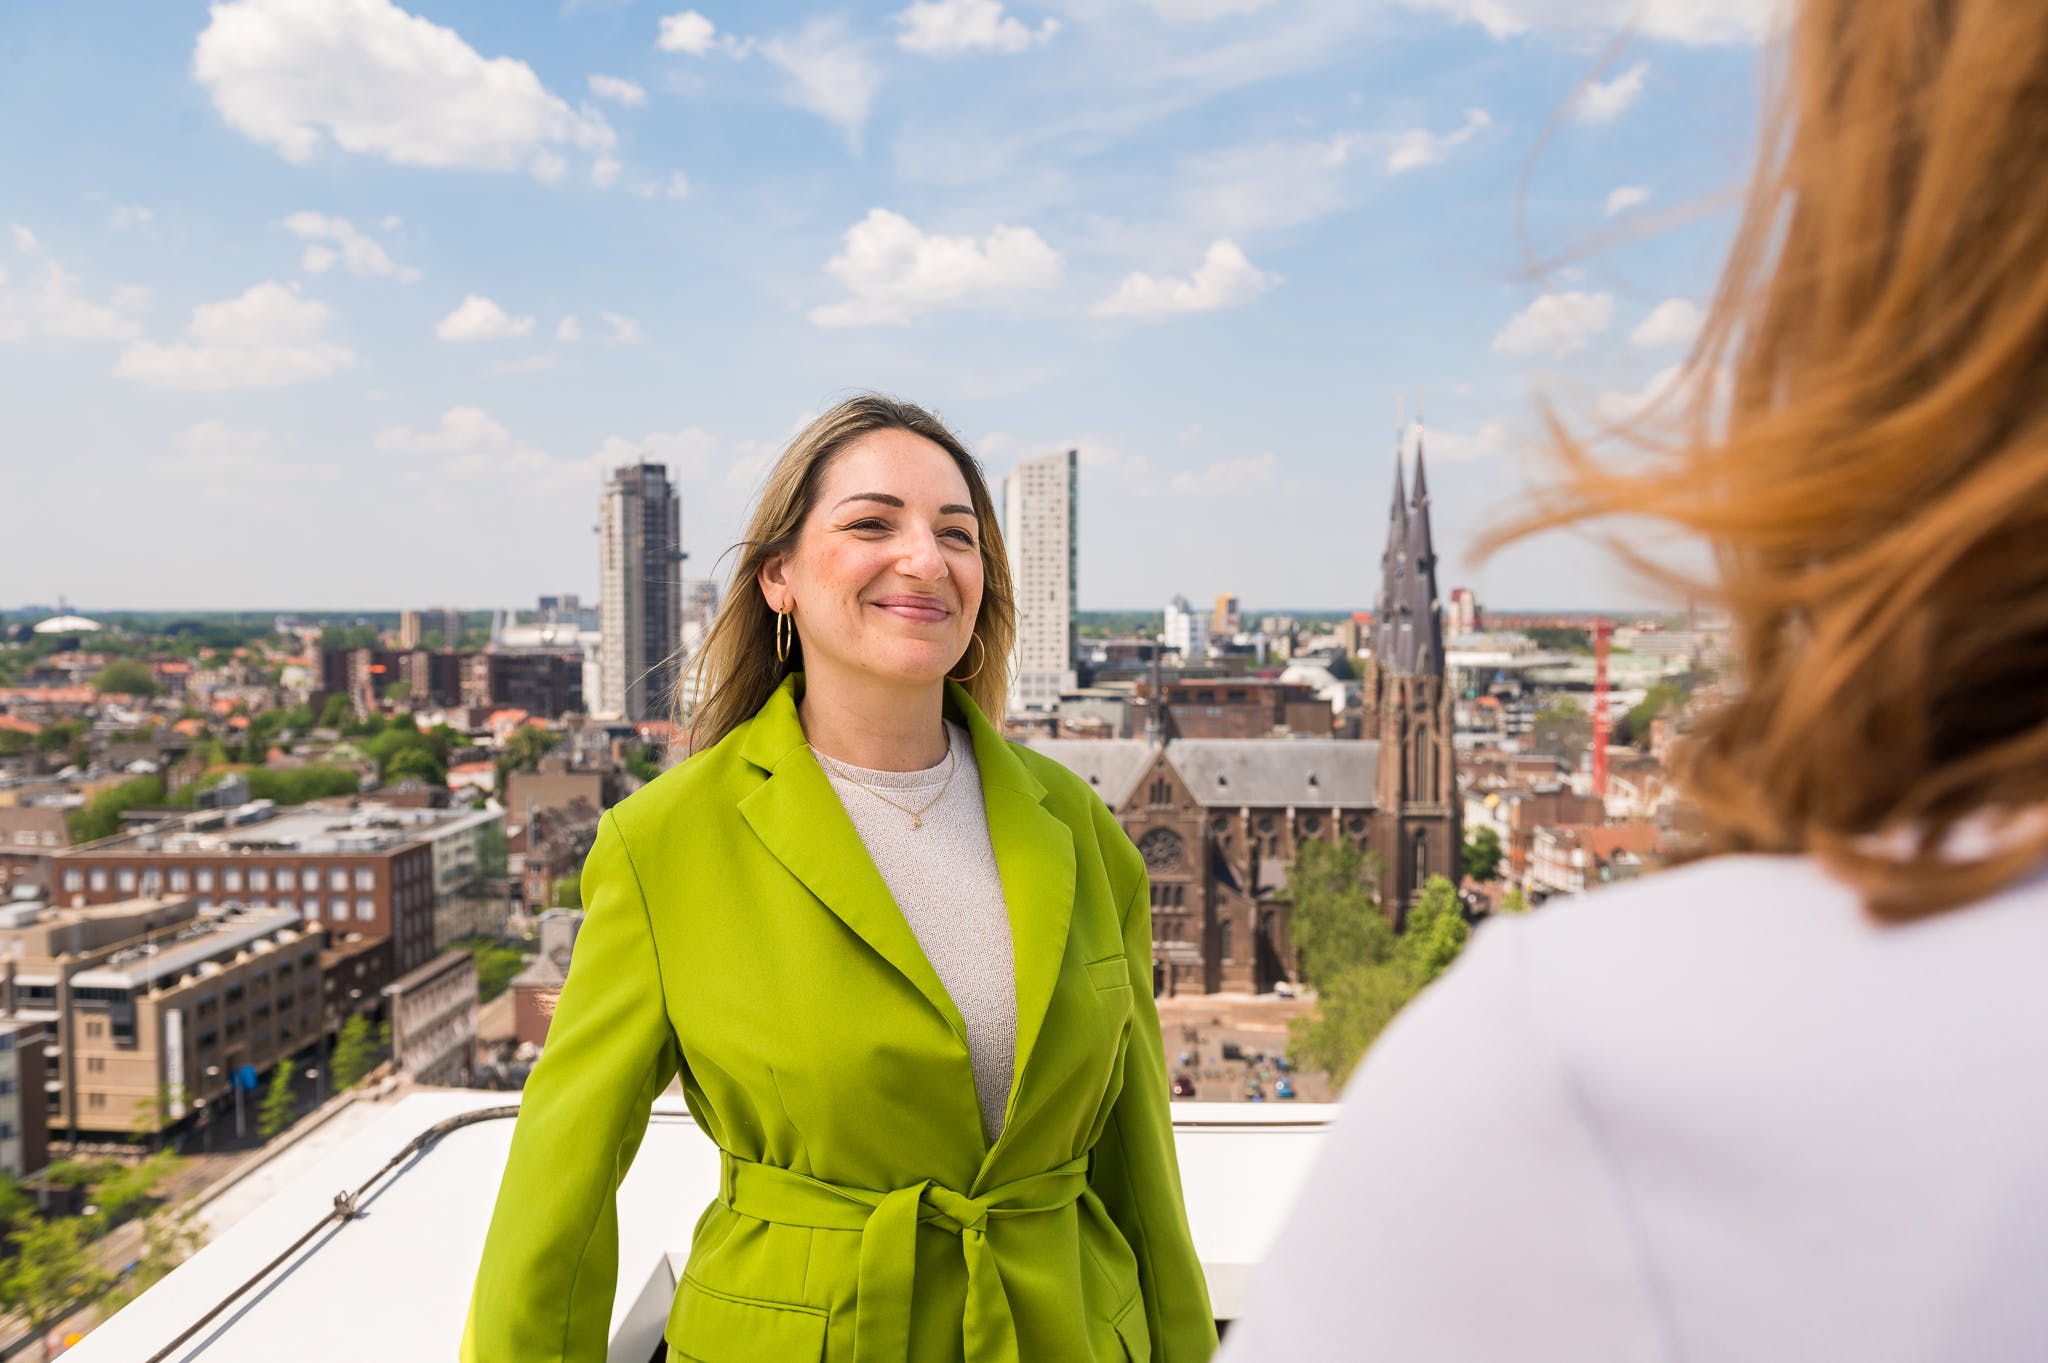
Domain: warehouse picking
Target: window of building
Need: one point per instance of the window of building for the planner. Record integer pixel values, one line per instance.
(310, 907)
(231, 880)
(202, 879)
(236, 992)
(99, 878)
(259, 879)
(366, 878)
(287, 879)
(74, 879)
(95, 1100)
(337, 909)
(1225, 950)
(366, 909)
(337, 878)
(124, 880)
(181, 880)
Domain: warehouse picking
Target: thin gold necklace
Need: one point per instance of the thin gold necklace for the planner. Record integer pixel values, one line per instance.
(916, 815)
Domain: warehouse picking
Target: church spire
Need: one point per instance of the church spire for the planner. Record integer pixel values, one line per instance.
(1409, 638)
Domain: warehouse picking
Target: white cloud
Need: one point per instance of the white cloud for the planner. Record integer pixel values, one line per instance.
(1224, 279)
(1464, 447)
(1555, 325)
(24, 240)
(1420, 147)
(1605, 101)
(374, 79)
(470, 443)
(1694, 22)
(52, 307)
(624, 330)
(604, 170)
(693, 35)
(828, 73)
(690, 453)
(945, 27)
(1619, 408)
(896, 271)
(361, 254)
(126, 216)
(1673, 322)
(1621, 200)
(1237, 477)
(1243, 191)
(677, 186)
(267, 337)
(1199, 11)
(479, 319)
(569, 329)
(619, 90)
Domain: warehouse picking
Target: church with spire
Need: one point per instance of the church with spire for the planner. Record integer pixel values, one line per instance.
(1417, 824)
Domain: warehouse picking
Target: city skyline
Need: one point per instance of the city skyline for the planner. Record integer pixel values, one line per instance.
(306, 361)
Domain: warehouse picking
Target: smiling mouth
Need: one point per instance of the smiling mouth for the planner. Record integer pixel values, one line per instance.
(932, 613)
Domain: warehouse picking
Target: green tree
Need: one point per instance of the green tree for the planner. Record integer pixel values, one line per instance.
(53, 1271)
(568, 894)
(13, 742)
(398, 691)
(1337, 919)
(527, 745)
(433, 640)
(354, 1053)
(1357, 1002)
(125, 677)
(336, 712)
(1480, 857)
(102, 816)
(1514, 901)
(15, 1205)
(280, 1104)
(169, 1237)
(1635, 725)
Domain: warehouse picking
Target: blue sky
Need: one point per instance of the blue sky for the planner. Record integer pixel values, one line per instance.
(348, 303)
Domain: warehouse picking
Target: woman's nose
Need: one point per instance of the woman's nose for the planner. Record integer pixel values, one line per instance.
(921, 556)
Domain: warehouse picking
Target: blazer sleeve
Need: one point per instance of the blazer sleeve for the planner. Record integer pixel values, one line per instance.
(545, 1286)
(1136, 1172)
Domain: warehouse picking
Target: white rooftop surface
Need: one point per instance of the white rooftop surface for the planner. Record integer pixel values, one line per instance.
(395, 1282)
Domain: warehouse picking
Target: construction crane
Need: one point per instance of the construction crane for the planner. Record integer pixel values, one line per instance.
(1602, 629)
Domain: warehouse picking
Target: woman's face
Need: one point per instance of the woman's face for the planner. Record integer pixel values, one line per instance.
(886, 576)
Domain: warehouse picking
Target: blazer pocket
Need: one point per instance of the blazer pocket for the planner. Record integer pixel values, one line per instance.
(1111, 972)
(1134, 1332)
(710, 1326)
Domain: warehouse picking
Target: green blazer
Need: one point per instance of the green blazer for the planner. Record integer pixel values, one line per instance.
(738, 933)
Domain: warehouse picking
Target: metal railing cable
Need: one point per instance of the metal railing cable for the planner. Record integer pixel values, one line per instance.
(344, 1211)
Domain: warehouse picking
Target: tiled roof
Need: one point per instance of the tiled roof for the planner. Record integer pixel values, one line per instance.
(1322, 772)
(1111, 766)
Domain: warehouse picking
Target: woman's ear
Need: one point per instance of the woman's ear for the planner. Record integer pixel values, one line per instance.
(774, 582)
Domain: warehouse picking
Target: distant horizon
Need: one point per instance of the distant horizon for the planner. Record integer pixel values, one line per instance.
(1243, 610)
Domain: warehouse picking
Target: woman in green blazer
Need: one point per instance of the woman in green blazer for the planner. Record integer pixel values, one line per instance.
(984, 1172)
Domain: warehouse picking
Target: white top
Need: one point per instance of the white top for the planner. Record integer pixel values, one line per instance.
(943, 877)
(1717, 1115)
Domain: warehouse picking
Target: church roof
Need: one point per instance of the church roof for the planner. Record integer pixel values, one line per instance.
(1322, 773)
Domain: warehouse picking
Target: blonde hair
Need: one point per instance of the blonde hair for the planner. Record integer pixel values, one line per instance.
(1865, 447)
(736, 668)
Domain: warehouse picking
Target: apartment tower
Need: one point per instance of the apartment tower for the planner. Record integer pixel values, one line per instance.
(640, 533)
(1039, 505)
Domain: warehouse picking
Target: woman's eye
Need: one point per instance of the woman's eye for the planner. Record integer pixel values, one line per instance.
(964, 537)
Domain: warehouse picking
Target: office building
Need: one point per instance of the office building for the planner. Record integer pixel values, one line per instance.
(1185, 632)
(641, 564)
(1039, 522)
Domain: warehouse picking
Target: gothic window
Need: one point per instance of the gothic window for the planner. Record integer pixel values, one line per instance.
(1311, 824)
(1162, 849)
(1419, 865)
(1419, 755)
(1224, 951)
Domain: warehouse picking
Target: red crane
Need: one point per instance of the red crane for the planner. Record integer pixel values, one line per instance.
(1601, 630)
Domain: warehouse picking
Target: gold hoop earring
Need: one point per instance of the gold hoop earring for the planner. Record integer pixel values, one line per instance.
(785, 634)
(976, 636)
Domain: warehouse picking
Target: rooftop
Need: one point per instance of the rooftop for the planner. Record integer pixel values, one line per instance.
(324, 828)
(395, 1280)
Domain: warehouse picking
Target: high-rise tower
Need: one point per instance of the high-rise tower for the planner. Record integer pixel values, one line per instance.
(1039, 521)
(640, 552)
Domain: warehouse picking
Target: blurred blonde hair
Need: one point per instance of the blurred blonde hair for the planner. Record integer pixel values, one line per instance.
(736, 668)
(1865, 448)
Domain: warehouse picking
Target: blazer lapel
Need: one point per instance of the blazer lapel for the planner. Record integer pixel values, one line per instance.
(1034, 852)
(798, 816)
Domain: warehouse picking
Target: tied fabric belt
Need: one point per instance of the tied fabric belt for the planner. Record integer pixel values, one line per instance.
(888, 1243)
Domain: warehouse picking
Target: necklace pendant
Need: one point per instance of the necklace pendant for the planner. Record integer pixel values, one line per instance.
(916, 822)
